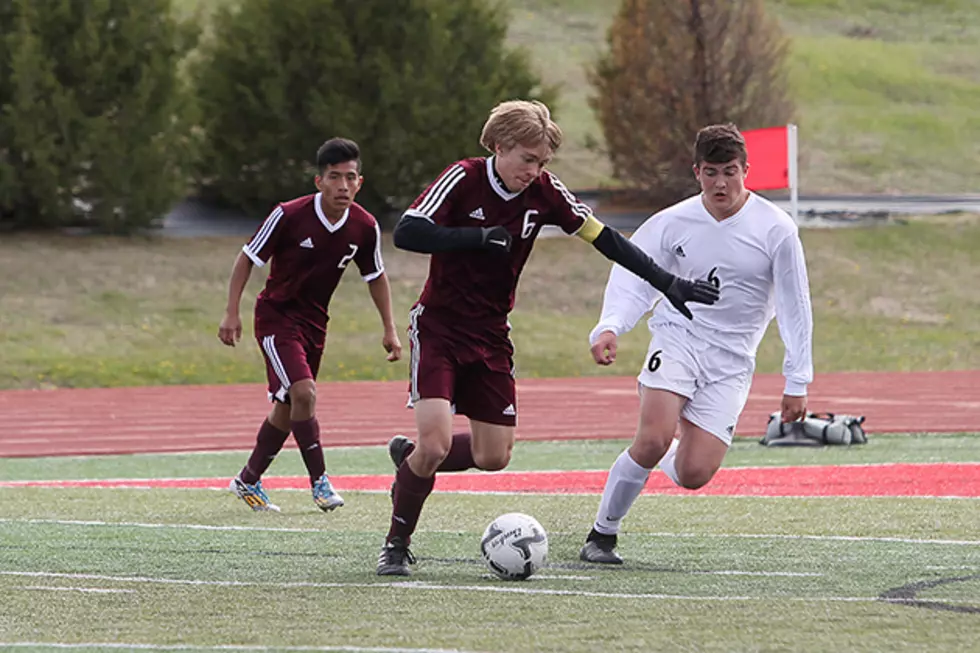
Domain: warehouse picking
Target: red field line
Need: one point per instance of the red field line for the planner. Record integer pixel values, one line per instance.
(208, 418)
(895, 480)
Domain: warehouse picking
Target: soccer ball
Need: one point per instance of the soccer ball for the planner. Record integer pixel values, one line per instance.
(514, 546)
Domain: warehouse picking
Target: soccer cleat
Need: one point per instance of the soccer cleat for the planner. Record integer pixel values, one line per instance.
(253, 495)
(398, 449)
(395, 558)
(601, 549)
(324, 496)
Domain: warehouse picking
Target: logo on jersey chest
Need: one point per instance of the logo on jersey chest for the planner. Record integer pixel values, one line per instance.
(306, 243)
(527, 224)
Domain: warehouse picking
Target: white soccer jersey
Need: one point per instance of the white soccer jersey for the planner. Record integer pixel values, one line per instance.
(756, 259)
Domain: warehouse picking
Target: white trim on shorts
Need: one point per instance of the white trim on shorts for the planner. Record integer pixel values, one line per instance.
(269, 347)
(413, 336)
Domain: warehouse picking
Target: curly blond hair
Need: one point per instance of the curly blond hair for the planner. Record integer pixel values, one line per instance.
(520, 122)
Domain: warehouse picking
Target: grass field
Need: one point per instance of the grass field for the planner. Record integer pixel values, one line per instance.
(887, 93)
(195, 568)
(105, 312)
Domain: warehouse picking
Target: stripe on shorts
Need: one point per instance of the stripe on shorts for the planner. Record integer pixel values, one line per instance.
(269, 347)
(413, 335)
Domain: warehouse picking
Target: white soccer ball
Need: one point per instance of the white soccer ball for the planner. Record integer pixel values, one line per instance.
(514, 546)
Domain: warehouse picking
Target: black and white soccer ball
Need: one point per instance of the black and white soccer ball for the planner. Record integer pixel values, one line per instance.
(514, 546)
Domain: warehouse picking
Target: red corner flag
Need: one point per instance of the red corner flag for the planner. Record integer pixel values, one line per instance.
(772, 160)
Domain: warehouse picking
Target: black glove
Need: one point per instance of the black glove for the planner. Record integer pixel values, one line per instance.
(496, 238)
(684, 290)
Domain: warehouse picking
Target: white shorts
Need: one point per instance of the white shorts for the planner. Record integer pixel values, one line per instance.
(715, 381)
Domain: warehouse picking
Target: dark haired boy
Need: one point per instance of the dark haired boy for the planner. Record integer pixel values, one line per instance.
(310, 241)
(697, 372)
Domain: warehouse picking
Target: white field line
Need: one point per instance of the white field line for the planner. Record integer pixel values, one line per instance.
(424, 586)
(767, 574)
(270, 529)
(220, 647)
(92, 590)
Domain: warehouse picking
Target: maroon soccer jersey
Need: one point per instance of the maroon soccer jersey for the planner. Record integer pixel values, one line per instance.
(477, 287)
(309, 255)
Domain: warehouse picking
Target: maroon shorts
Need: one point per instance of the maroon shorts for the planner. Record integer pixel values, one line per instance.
(290, 356)
(473, 369)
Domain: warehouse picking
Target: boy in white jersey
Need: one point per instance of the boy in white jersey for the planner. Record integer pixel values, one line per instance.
(699, 372)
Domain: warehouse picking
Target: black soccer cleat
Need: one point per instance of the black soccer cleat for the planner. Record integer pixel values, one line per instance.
(398, 449)
(395, 558)
(601, 549)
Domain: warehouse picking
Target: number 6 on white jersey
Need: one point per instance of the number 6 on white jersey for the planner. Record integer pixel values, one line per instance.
(655, 361)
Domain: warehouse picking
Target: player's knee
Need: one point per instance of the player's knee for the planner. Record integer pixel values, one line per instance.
(492, 461)
(693, 476)
(302, 396)
(647, 450)
(429, 454)
(280, 416)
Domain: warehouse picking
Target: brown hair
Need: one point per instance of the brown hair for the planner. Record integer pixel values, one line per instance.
(719, 144)
(520, 122)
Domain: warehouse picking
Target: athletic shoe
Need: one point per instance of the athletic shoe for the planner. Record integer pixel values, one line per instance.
(324, 495)
(398, 449)
(395, 558)
(601, 549)
(253, 495)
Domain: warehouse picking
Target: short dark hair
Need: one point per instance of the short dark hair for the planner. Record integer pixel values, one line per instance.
(336, 151)
(719, 144)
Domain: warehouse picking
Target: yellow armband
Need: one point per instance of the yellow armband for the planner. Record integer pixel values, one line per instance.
(590, 230)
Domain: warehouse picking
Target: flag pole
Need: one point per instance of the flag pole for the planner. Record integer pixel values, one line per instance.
(793, 172)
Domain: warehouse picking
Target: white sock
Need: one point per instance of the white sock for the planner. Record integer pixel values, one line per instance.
(625, 482)
(667, 462)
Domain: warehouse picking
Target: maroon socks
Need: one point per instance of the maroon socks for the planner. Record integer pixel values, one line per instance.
(267, 445)
(307, 434)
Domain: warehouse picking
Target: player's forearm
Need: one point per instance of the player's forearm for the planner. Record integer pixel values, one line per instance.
(614, 246)
(240, 272)
(380, 291)
(627, 298)
(796, 333)
(425, 237)
(794, 315)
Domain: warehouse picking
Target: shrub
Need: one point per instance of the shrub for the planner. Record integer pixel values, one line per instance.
(93, 113)
(410, 80)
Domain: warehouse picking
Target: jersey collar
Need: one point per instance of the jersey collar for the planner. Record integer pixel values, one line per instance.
(497, 184)
(331, 227)
(733, 218)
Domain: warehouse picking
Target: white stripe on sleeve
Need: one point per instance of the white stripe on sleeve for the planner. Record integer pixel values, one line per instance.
(579, 208)
(261, 238)
(379, 264)
(438, 192)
